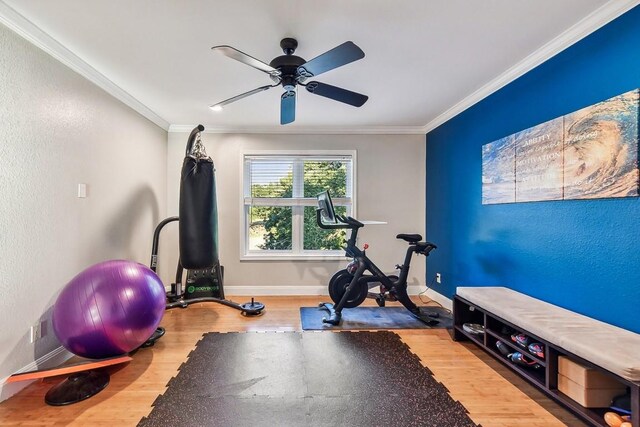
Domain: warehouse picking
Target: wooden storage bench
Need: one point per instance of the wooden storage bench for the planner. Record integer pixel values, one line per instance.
(593, 345)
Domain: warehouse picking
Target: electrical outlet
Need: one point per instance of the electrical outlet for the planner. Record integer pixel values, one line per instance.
(35, 332)
(438, 278)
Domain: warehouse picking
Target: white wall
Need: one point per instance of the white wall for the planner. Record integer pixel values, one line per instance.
(57, 130)
(390, 185)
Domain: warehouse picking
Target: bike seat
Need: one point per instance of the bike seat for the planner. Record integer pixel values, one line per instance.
(411, 238)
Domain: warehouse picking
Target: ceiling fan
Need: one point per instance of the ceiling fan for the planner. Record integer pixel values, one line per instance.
(290, 70)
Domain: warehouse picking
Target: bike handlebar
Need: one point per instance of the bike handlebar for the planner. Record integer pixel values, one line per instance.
(344, 222)
(347, 222)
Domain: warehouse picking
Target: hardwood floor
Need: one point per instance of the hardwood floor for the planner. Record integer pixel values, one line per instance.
(493, 395)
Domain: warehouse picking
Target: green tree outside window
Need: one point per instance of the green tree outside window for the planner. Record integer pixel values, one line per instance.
(276, 221)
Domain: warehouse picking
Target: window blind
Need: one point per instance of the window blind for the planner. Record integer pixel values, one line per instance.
(297, 176)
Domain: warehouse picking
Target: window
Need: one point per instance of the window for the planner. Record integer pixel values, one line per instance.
(279, 202)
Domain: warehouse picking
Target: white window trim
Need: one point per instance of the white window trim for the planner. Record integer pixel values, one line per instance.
(286, 255)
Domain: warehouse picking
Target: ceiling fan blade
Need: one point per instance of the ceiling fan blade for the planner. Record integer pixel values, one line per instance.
(288, 107)
(219, 105)
(234, 53)
(338, 56)
(337, 93)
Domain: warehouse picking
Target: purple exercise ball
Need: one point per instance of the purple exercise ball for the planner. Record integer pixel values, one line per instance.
(109, 309)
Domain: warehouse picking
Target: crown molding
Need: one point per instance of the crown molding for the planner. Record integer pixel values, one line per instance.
(32, 33)
(307, 130)
(600, 17)
(592, 22)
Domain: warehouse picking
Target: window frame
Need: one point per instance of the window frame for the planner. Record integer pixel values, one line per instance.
(297, 252)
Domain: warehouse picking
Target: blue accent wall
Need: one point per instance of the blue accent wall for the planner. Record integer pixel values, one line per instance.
(581, 255)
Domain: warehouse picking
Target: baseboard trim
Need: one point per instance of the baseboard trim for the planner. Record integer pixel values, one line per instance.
(275, 290)
(238, 290)
(50, 360)
(439, 298)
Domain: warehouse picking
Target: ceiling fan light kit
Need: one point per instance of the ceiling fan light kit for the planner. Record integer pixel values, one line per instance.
(290, 70)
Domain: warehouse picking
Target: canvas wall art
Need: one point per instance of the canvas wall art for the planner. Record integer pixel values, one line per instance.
(588, 154)
(498, 172)
(601, 149)
(539, 162)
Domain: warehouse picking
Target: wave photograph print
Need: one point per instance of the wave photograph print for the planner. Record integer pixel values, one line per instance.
(591, 153)
(601, 149)
(498, 172)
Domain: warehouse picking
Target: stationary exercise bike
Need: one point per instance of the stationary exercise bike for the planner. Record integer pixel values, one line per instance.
(349, 288)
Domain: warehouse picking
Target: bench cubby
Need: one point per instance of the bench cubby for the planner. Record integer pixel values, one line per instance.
(545, 377)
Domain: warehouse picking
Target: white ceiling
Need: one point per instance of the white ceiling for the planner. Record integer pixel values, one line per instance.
(423, 57)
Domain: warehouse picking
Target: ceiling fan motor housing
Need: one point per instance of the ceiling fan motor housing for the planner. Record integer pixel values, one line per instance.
(288, 66)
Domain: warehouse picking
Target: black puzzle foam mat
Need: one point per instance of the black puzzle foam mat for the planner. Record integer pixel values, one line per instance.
(305, 379)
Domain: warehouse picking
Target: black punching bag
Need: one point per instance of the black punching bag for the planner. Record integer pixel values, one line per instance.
(198, 207)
